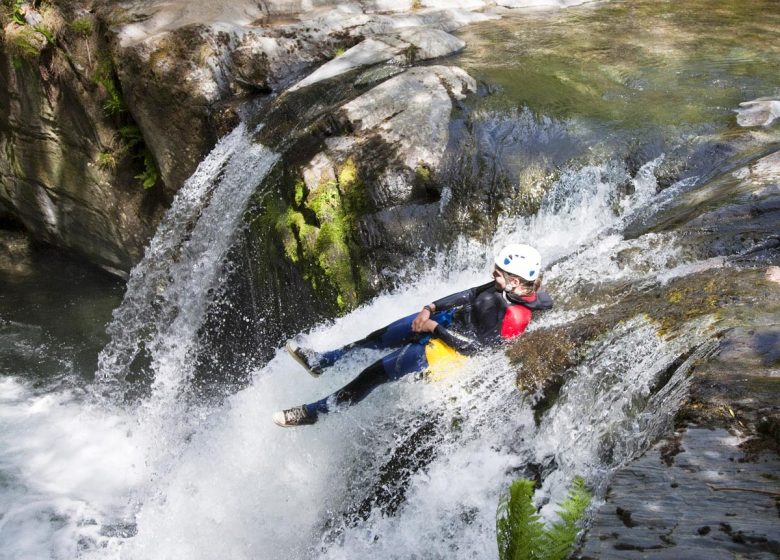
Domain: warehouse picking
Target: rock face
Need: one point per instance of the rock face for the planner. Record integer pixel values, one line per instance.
(103, 100)
(696, 495)
(65, 174)
(358, 203)
(709, 488)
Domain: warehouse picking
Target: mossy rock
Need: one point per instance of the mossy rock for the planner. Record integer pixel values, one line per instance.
(316, 229)
(548, 356)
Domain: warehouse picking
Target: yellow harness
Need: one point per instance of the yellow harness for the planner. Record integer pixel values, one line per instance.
(443, 360)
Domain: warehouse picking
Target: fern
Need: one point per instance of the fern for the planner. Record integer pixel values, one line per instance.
(518, 528)
(559, 537)
(150, 174)
(520, 533)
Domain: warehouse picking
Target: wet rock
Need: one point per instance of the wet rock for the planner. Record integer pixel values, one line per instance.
(734, 214)
(711, 501)
(709, 487)
(759, 112)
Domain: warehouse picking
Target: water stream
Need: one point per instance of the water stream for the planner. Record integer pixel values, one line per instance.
(132, 466)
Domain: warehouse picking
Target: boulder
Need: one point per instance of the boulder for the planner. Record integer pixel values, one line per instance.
(411, 114)
(759, 112)
(181, 63)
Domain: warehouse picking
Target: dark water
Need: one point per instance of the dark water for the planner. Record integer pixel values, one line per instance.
(53, 312)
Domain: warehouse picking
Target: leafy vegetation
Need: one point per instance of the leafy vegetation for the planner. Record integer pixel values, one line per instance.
(132, 140)
(521, 534)
(107, 160)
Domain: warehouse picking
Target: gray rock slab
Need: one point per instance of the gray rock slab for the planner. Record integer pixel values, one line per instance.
(411, 113)
(426, 44)
(540, 3)
(706, 501)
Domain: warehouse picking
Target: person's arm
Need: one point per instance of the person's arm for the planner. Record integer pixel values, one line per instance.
(457, 299)
(460, 299)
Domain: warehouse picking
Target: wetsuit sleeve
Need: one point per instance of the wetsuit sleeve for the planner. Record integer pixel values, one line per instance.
(460, 299)
(463, 344)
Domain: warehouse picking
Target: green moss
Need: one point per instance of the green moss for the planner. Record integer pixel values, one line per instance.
(548, 355)
(300, 192)
(423, 175)
(317, 232)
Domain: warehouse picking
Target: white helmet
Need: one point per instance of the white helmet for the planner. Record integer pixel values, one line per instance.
(520, 260)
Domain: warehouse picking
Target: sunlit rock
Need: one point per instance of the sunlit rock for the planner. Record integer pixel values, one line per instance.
(410, 113)
(759, 112)
(540, 3)
(408, 46)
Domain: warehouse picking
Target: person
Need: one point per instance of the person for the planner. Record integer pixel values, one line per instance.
(439, 337)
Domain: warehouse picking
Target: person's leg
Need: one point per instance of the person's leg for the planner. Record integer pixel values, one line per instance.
(410, 358)
(393, 335)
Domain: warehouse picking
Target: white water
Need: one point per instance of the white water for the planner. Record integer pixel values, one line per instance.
(239, 487)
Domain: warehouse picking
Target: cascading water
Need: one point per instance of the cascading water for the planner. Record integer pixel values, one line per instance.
(415, 471)
(168, 293)
(418, 470)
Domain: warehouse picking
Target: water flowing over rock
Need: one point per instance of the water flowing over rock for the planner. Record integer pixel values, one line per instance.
(373, 185)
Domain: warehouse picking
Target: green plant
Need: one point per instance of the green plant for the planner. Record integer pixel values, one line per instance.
(520, 533)
(340, 52)
(82, 26)
(107, 160)
(46, 33)
(16, 14)
(150, 174)
(132, 138)
(25, 42)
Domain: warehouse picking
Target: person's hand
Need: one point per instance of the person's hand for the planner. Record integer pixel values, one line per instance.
(419, 321)
(429, 326)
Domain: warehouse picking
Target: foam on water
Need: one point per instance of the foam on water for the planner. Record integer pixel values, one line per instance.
(68, 472)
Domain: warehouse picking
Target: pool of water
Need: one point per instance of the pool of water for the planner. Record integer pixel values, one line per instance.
(53, 312)
(630, 65)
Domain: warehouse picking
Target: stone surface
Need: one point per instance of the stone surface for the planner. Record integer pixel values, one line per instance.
(53, 133)
(410, 113)
(694, 496)
(540, 3)
(182, 72)
(410, 45)
(180, 62)
(759, 112)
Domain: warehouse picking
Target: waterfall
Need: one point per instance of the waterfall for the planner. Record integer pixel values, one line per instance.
(169, 291)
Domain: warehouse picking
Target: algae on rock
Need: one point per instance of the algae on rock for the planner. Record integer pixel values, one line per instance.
(316, 228)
